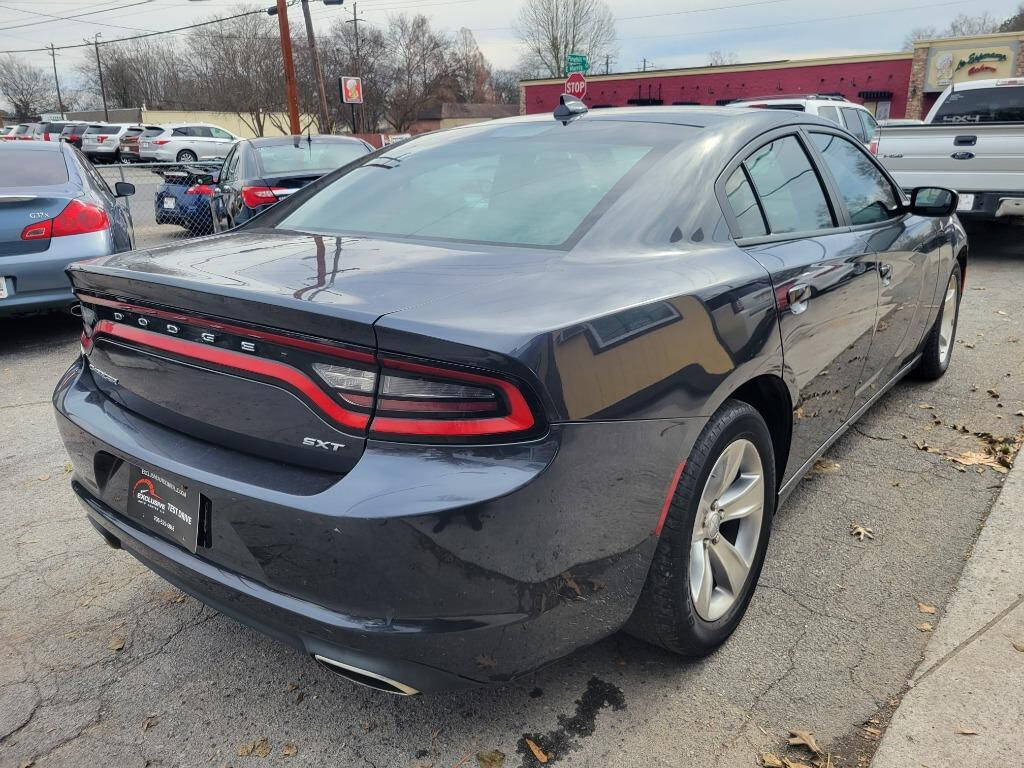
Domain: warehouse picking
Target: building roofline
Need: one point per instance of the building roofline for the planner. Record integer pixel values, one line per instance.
(745, 67)
(968, 39)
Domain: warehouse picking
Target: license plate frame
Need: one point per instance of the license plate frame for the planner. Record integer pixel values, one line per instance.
(3, 287)
(165, 504)
(169, 203)
(965, 203)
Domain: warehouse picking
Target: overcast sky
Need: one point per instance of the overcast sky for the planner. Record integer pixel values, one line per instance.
(671, 33)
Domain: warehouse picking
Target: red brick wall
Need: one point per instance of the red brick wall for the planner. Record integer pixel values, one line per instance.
(707, 87)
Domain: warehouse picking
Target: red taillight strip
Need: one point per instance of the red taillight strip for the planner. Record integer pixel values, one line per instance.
(241, 362)
(668, 498)
(518, 419)
(274, 338)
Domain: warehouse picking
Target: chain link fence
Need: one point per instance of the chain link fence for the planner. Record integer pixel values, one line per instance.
(172, 201)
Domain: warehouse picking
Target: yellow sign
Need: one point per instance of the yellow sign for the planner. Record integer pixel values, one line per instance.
(962, 65)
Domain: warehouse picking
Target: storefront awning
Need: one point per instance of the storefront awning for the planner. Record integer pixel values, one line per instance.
(876, 95)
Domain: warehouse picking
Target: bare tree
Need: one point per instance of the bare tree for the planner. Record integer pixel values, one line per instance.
(421, 68)
(470, 72)
(1015, 23)
(28, 89)
(373, 64)
(722, 58)
(550, 30)
(961, 26)
(505, 85)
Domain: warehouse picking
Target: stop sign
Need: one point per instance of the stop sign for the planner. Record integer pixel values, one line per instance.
(576, 85)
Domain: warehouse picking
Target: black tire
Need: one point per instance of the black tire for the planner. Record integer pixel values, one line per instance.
(932, 364)
(186, 156)
(665, 614)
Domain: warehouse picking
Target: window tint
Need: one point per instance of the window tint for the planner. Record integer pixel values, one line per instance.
(829, 113)
(217, 133)
(89, 173)
(231, 164)
(133, 132)
(868, 121)
(92, 130)
(744, 205)
(154, 130)
(200, 130)
(853, 123)
(181, 132)
(316, 156)
(788, 187)
(867, 194)
(983, 105)
(26, 168)
(530, 183)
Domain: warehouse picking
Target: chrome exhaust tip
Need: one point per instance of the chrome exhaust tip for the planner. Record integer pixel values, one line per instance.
(365, 677)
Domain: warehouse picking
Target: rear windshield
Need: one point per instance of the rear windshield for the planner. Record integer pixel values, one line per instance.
(21, 129)
(53, 127)
(534, 183)
(93, 129)
(1000, 104)
(31, 168)
(74, 130)
(132, 132)
(323, 156)
(152, 131)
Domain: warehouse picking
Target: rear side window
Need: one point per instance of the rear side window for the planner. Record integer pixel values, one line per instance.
(867, 194)
(829, 113)
(789, 189)
(744, 205)
(1000, 104)
(201, 131)
(853, 123)
(28, 168)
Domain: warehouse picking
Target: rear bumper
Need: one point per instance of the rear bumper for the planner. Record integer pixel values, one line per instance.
(36, 281)
(439, 567)
(994, 205)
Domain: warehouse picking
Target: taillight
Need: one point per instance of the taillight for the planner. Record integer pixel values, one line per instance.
(161, 142)
(199, 189)
(873, 146)
(423, 401)
(38, 231)
(353, 385)
(254, 197)
(101, 139)
(80, 218)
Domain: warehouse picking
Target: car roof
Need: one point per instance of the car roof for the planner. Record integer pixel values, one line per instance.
(695, 116)
(33, 146)
(994, 82)
(274, 141)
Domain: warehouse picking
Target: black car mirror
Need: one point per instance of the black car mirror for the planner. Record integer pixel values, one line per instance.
(123, 189)
(933, 201)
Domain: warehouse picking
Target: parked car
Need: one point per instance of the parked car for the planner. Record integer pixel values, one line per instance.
(392, 417)
(5, 130)
(259, 172)
(856, 118)
(184, 198)
(73, 132)
(186, 143)
(102, 141)
(54, 209)
(51, 130)
(972, 141)
(24, 132)
(129, 143)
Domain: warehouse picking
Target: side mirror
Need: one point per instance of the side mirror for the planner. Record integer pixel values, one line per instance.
(933, 201)
(123, 189)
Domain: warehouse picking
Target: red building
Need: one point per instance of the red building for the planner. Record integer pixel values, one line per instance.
(880, 81)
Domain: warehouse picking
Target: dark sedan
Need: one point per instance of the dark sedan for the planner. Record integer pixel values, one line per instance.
(259, 172)
(489, 395)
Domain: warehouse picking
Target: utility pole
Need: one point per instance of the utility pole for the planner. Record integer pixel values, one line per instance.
(318, 74)
(289, 67)
(56, 81)
(645, 64)
(607, 62)
(354, 21)
(99, 67)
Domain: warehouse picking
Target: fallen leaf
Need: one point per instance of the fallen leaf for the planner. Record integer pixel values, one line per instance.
(571, 583)
(925, 608)
(925, 626)
(799, 412)
(860, 532)
(1018, 646)
(872, 731)
(26, 763)
(994, 394)
(969, 345)
(806, 739)
(921, 445)
(768, 760)
(1019, 413)
(825, 467)
(44, 477)
(289, 749)
(68, 467)
(793, 764)
(961, 731)
(116, 643)
(540, 754)
(1001, 312)
(926, 407)
(259, 747)
(976, 458)
(150, 720)
(495, 758)
(487, 662)
(293, 686)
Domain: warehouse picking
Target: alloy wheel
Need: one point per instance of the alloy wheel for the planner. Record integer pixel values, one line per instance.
(947, 327)
(726, 530)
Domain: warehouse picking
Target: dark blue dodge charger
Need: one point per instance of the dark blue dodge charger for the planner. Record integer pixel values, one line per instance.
(500, 391)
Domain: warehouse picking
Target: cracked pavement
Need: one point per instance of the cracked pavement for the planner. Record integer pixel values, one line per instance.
(828, 643)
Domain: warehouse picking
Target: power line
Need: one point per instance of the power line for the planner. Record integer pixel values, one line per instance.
(50, 18)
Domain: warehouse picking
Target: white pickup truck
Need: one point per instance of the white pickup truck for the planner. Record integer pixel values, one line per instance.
(972, 141)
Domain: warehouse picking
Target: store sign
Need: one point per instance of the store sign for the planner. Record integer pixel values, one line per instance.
(962, 65)
(351, 89)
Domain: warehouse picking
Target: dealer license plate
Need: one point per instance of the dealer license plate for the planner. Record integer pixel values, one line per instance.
(966, 203)
(165, 504)
(169, 202)
(3, 287)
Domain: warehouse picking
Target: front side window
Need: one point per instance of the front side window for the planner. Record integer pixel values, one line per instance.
(789, 189)
(744, 205)
(220, 134)
(999, 104)
(868, 122)
(867, 194)
(533, 183)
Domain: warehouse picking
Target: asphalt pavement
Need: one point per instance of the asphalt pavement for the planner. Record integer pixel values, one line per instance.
(104, 664)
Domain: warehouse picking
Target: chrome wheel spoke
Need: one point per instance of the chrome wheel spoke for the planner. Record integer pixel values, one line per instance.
(702, 588)
(742, 498)
(728, 565)
(947, 324)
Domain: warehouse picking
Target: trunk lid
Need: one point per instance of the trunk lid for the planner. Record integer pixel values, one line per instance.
(18, 211)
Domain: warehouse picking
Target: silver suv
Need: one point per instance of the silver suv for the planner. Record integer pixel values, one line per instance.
(856, 118)
(186, 143)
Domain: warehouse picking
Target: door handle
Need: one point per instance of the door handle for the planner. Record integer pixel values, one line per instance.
(885, 272)
(797, 297)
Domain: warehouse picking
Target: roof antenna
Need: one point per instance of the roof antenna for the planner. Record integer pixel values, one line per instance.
(569, 108)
